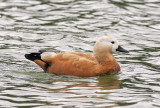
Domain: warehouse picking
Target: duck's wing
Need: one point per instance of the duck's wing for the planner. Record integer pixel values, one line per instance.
(65, 63)
(69, 63)
(84, 55)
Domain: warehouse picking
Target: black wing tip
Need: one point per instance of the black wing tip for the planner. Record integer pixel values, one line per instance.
(49, 50)
(37, 55)
(42, 51)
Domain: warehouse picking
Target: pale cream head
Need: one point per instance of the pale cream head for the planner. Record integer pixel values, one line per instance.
(106, 44)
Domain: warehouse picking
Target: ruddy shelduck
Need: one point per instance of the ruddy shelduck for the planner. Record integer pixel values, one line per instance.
(78, 63)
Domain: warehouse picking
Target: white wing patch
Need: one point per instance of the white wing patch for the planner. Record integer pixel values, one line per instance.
(47, 55)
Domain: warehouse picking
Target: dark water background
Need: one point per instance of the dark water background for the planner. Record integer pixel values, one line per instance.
(74, 25)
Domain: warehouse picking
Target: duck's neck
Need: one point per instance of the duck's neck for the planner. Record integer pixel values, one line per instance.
(108, 63)
(104, 57)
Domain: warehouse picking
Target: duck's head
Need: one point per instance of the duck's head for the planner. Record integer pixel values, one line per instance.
(108, 44)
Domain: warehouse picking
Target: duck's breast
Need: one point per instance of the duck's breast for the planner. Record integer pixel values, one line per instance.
(109, 67)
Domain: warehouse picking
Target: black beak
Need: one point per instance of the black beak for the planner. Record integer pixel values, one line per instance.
(120, 49)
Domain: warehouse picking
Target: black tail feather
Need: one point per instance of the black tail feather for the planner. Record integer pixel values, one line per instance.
(33, 56)
(36, 56)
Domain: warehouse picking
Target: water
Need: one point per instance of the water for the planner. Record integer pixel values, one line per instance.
(75, 25)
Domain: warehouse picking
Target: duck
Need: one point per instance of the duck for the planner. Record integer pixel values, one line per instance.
(80, 64)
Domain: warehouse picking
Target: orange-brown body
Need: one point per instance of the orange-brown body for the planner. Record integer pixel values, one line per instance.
(80, 64)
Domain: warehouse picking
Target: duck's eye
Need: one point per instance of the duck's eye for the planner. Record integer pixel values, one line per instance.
(112, 42)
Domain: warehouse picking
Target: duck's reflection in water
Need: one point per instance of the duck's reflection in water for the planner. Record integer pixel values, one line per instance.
(109, 82)
(87, 90)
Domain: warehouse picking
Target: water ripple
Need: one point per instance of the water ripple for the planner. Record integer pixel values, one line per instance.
(75, 25)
